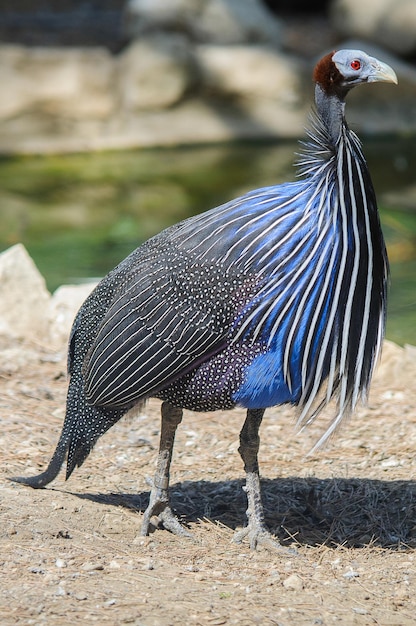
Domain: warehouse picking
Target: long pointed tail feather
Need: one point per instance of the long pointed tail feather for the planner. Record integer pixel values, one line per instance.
(83, 426)
(41, 480)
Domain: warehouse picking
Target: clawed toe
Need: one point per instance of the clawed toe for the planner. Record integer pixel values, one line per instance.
(171, 522)
(165, 518)
(261, 537)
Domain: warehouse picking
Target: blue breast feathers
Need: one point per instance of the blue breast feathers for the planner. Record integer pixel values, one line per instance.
(292, 316)
(288, 237)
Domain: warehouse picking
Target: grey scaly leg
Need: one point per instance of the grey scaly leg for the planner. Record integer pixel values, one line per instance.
(159, 496)
(255, 530)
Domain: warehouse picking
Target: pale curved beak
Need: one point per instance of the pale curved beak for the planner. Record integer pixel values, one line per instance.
(382, 73)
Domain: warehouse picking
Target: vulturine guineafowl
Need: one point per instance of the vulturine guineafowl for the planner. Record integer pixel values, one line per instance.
(276, 297)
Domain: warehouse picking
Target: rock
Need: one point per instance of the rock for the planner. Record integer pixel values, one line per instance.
(155, 72)
(17, 358)
(81, 595)
(162, 101)
(217, 21)
(167, 88)
(397, 368)
(236, 22)
(24, 298)
(263, 84)
(293, 582)
(254, 72)
(27, 309)
(144, 16)
(56, 82)
(89, 566)
(388, 23)
(397, 29)
(355, 18)
(351, 574)
(410, 355)
(63, 307)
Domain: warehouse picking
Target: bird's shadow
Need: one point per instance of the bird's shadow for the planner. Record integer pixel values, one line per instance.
(308, 511)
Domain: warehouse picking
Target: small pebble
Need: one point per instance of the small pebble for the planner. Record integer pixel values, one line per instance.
(36, 570)
(192, 568)
(293, 582)
(91, 567)
(351, 574)
(80, 596)
(60, 563)
(274, 575)
(391, 462)
(360, 610)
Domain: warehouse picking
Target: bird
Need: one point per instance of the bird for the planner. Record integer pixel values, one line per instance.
(277, 297)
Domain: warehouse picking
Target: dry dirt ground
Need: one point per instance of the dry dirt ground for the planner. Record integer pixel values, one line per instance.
(72, 553)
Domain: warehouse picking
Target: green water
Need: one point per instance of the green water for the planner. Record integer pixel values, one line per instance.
(79, 215)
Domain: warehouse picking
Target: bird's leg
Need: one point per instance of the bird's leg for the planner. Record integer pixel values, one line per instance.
(255, 530)
(159, 497)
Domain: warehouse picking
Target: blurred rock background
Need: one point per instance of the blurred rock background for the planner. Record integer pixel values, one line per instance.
(82, 75)
(90, 75)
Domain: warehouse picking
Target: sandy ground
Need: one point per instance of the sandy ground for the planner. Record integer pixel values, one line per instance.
(72, 553)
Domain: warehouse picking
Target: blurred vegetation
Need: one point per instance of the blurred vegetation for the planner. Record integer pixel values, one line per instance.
(79, 215)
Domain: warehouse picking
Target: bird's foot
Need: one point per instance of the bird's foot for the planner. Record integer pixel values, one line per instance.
(258, 535)
(158, 514)
(256, 530)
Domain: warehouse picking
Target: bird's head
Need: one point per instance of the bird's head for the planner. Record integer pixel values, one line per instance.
(339, 71)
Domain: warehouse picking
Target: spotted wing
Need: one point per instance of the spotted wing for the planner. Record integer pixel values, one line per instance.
(169, 314)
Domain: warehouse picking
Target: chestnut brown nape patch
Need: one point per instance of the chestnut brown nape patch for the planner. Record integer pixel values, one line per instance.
(326, 72)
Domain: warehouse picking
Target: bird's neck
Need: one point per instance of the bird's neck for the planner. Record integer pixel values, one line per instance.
(331, 109)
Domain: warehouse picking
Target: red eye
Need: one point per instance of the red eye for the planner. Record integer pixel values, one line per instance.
(356, 64)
